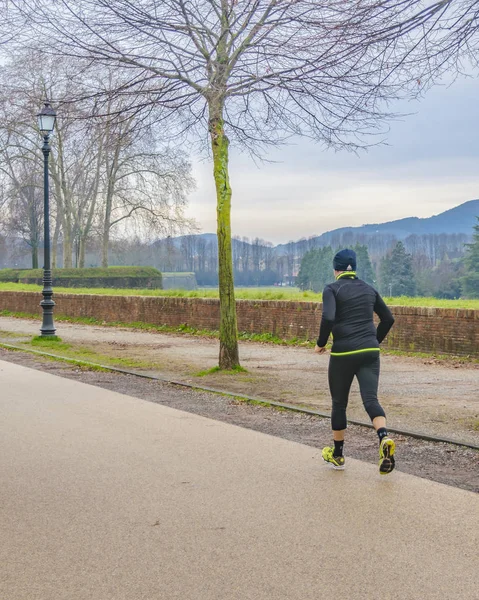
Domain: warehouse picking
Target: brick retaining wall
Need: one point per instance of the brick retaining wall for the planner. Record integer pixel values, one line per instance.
(438, 330)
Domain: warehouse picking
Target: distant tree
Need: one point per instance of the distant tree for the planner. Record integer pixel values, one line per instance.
(364, 268)
(291, 260)
(303, 278)
(237, 247)
(246, 254)
(316, 269)
(397, 275)
(441, 281)
(447, 279)
(423, 273)
(471, 279)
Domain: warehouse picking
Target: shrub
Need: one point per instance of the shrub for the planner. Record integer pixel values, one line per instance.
(94, 277)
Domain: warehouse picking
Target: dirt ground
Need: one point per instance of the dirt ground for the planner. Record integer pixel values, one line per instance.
(444, 463)
(419, 394)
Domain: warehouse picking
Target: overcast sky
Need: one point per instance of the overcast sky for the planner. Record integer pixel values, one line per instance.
(430, 165)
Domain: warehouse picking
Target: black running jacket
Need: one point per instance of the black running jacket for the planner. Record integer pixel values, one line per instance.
(348, 307)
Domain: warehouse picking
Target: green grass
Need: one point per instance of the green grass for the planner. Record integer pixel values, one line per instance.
(232, 371)
(285, 294)
(430, 356)
(80, 352)
(13, 334)
(80, 363)
(40, 340)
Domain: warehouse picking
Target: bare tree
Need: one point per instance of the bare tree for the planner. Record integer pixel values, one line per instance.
(105, 170)
(143, 182)
(25, 216)
(291, 260)
(246, 255)
(20, 174)
(257, 71)
(201, 251)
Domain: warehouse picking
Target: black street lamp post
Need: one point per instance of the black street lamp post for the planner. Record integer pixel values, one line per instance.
(46, 124)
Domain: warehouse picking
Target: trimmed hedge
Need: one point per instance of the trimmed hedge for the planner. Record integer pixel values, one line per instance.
(93, 277)
(94, 272)
(10, 275)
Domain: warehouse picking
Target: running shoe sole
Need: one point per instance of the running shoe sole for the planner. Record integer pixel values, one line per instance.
(335, 467)
(386, 454)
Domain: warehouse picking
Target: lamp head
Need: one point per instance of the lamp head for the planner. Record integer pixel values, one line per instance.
(46, 119)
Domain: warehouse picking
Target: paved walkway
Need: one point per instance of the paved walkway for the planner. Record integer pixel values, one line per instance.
(107, 497)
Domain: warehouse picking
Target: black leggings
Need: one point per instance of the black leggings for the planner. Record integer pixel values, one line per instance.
(342, 370)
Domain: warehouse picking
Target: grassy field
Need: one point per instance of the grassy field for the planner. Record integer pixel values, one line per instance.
(266, 293)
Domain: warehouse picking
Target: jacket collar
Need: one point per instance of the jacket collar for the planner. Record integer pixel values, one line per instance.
(347, 274)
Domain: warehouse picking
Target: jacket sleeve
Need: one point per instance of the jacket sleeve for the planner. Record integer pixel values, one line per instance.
(328, 316)
(386, 319)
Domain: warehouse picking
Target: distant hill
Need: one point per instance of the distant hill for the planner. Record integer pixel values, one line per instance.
(459, 219)
(176, 241)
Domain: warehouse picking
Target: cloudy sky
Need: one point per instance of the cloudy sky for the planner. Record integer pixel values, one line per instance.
(431, 164)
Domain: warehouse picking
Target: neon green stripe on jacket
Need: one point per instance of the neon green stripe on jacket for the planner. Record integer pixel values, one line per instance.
(355, 352)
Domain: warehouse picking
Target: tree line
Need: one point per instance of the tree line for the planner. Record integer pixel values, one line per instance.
(428, 265)
(400, 273)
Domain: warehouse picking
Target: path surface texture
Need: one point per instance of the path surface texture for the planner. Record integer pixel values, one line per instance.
(107, 497)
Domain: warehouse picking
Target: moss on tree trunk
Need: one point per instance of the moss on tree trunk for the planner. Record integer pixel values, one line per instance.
(229, 356)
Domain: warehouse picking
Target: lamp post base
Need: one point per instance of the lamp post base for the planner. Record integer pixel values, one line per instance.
(47, 304)
(48, 327)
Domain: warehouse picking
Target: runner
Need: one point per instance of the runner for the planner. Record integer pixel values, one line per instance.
(348, 307)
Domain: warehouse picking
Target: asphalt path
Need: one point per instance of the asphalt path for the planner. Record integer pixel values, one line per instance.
(108, 497)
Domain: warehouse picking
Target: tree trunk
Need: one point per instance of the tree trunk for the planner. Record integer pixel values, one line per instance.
(229, 356)
(81, 257)
(105, 242)
(34, 257)
(67, 247)
(67, 207)
(110, 191)
(56, 235)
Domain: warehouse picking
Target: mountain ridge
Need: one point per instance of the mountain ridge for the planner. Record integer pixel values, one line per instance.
(457, 220)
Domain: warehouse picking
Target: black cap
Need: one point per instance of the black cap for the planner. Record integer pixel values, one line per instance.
(345, 260)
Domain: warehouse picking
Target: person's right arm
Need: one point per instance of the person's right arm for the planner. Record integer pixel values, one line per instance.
(328, 316)
(386, 319)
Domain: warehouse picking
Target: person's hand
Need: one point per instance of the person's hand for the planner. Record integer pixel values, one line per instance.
(319, 350)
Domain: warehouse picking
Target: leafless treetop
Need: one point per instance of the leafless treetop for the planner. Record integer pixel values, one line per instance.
(321, 68)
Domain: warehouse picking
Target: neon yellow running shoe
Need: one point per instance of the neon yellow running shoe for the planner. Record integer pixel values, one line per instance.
(386, 455)
(337, 462)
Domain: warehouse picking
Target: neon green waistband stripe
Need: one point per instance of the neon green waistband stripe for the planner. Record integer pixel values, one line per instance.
(355, 352)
